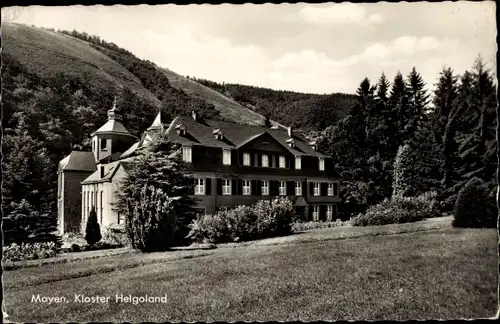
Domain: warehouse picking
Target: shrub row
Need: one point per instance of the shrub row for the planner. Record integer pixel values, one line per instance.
(30, 251)
(243, 223)
(399, 210)
(304, 226)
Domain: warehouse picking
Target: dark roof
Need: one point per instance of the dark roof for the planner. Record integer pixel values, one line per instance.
(109, 171)
(200, 132)
(113, 127)
(78, 161)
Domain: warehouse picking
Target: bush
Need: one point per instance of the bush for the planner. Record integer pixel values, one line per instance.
(304, 226)
(243, 223)
(116, 237)
(30, 251)
(474, 207)
(93, 231)
(398, 210)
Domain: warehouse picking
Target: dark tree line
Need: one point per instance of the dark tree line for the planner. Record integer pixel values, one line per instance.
(300, 110)
(449, 139)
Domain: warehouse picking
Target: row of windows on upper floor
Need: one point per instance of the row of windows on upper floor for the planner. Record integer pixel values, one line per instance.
(226, 187)
(264, 159)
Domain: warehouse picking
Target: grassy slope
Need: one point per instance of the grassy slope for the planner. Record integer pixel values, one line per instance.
(47, 53)
(448, 273)
(229, 108)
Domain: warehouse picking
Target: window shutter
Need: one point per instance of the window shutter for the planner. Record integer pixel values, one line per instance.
(234, 187)
(335, 212)
(258, 156)
(234, 157)
(287, 162)
(323, 189)
(253, 187)
(240, 187)
(322, 213)
(311, 188)
(304, 188)
(335, 189)
(252, 160)
(208, 186)
(290, 190)
(219, 186)
(276, 187)
(258, 187)
(309, 217)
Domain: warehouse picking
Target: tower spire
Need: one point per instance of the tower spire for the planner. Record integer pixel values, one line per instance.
(113, 113)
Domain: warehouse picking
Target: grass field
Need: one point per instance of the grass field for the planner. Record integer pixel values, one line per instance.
(445, 274)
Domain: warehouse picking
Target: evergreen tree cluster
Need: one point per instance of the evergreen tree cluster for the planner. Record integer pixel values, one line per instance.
(442, 143)
(154, 198)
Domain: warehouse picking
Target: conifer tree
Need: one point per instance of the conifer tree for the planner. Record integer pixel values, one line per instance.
(93, 230)
(155, 199)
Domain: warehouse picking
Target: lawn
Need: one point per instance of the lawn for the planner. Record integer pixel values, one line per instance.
(440, 274)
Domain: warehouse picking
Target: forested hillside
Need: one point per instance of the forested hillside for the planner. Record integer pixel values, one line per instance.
(300, 110)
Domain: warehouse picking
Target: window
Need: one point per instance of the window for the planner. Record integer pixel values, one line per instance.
(315, 213)
(246, 159)
(265, 160)
(101, 206)
(282, 162)
(298, 163)
(298, 188)
(226, 157)
(246, 187)
(186, 154)
(321, 164)
(330, 189)
(329, 210)
(199, 188)
(104, 145)
(282, 190)
(316, 188)
(265, 188)
(226, 187)
(84, 202)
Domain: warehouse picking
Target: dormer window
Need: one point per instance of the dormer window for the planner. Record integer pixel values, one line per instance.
(313, 145)
(181, 129)
(218, 134)
(291, 142)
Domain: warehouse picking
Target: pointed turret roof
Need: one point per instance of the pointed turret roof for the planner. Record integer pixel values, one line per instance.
(113, 126)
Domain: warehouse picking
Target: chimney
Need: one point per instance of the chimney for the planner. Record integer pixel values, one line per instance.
(101, 171)
(193, 114)
(289, 129)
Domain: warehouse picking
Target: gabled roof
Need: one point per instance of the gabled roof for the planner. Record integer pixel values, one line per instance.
(78, 161)
(200, 132)
(110, 170)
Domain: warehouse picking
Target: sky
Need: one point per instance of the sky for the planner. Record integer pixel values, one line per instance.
(312, 48)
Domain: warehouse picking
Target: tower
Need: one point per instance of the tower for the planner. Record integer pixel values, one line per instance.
(112, 139)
